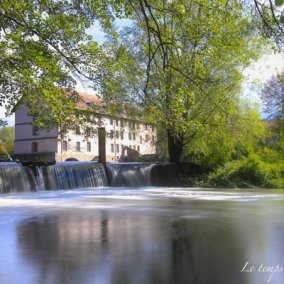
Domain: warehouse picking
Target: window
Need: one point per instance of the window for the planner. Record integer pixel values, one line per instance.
(111, 134)
(78, 132)
(111, 121)
(153, 138)
(146, 126)
(153, 128)
(121, 135)
(134, 136)
(129, 135)
(134, 147)
(34, 147)
(35, 130)
(116, 134)
(116, 122)
(131, 124)
(64, 145)
(112, 148)
(117, 148)
(88, 131)
(138, 148)
(88, 146)
(141, 139)
(64, 130)
(121, 123)
(90, 104)
(78, 146)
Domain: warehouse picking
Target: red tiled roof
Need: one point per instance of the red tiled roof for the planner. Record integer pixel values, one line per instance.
(85, 98)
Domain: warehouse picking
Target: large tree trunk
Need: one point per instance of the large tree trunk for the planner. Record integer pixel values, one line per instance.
(175, 147)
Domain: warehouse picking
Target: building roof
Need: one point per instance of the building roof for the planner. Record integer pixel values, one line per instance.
(90, 102)
(87, 100)
(96, 104)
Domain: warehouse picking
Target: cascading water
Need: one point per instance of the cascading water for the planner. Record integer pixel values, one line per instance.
(74, 175)
(130, 174)
(17, 178)
(70, 175)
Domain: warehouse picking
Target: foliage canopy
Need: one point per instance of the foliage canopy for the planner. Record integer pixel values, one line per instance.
(7, 137)
(181, 62)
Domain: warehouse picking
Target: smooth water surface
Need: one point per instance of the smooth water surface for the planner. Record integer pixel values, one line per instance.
(142, 235)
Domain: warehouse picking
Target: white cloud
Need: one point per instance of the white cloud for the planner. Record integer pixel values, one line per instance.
(10, 119)
(258, 74)
(262, 70)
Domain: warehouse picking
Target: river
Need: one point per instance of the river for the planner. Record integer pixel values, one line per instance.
(142, 235)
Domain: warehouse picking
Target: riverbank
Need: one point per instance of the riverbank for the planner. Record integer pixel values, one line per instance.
(250, 172)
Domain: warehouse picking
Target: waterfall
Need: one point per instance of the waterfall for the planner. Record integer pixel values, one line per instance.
(130, 174)
(74, 175)
(69, 175)
(17, 178)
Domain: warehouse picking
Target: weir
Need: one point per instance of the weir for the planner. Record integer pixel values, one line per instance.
(129, 174)
(69, 175)
(16, 178)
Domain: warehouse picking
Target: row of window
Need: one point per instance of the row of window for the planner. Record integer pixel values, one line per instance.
(120, 147)
(131, 136)
(78, 146)
(131, 124)
(113, 147)
(117, 133)
(122, 123)
(78, 131)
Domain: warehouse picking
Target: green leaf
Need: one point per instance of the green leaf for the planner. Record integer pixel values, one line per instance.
(282, 19)
(279, 2)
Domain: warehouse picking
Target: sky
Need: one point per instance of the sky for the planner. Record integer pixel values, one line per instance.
(263, 69)
(259, 73)
(256, 75)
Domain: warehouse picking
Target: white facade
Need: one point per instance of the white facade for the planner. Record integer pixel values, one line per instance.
(120, 132)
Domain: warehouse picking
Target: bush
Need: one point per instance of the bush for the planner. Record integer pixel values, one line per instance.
(249, 172)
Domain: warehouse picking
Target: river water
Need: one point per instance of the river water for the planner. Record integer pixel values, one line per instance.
(142, 235)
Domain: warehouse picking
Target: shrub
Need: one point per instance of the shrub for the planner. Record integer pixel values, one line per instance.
(249, 172)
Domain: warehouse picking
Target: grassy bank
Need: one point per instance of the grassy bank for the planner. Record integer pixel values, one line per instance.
(249, 172)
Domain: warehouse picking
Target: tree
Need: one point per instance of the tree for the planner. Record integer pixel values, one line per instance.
(273, 100)
(3, 123)
(7, 137)
(273, 97)
(181, 63)
(44, 47)
(191, 55)
(231, 138)
(271, 16)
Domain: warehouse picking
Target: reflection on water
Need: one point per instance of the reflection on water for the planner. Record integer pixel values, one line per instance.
(140, 236)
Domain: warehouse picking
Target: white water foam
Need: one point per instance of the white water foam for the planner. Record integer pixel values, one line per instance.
(91, 198)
